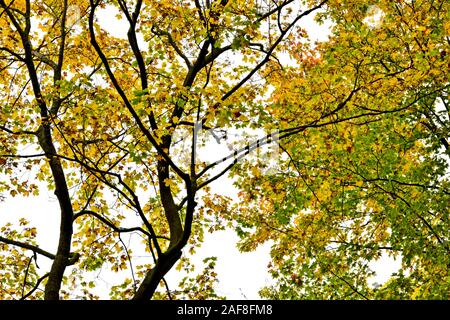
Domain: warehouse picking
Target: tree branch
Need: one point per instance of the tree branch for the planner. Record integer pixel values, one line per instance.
(113, 226)
(36, 286)
(123, 96)
(28, 246)
(271, 50)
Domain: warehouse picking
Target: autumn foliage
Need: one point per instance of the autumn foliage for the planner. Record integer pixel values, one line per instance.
(110, 123)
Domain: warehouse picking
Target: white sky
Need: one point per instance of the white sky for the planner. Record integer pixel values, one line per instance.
(241, 275)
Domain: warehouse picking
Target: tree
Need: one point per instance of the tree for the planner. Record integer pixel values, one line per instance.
(107, 114)
(348, 193)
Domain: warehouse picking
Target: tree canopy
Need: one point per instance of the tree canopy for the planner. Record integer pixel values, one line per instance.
(360, 120)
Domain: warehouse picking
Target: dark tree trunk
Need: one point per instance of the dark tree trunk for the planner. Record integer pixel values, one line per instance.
(62, 193)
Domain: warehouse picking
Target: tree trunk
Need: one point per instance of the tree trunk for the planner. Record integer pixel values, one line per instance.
(62, 193)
